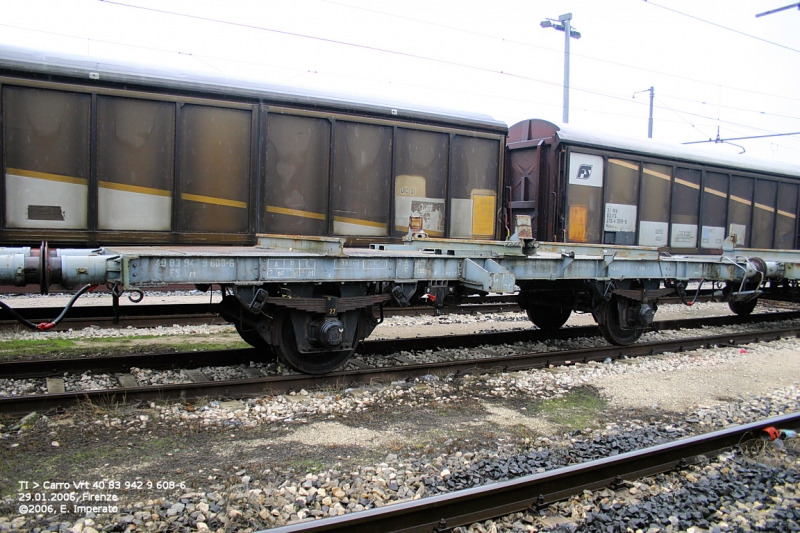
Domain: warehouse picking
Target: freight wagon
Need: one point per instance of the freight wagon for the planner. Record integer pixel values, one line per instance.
(97, 152)
(585, 187)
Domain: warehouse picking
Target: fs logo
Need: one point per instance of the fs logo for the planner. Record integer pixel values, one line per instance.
(584, 172)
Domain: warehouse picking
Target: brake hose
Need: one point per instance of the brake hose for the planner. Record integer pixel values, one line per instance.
(44, 326)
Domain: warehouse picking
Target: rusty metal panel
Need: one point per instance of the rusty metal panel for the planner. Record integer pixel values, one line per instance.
(296, 188)
(135, 163)
(523, 178)
(656, 191)
(46, 145)
(362, 173)
(622, 198)
(532, 130)
(685, 208)
(552, 188)
(740, 208)
(765, 200)
(46, 131)
(715, 210)
(214, 169)
(523, 175)
(786, 220)
(475, 170)
(420, 180)
(622, 181)
(584, 197)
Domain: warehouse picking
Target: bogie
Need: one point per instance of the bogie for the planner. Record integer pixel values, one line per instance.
(622, 321)
(290, 338)
(314, 329)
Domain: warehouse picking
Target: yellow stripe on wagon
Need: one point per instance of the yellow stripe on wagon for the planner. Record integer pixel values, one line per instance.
(656, 174)
(741, 200)
(687, 183)
(134, 188)
(360, 222)
(213, 200)
(622, 163)
(295, 212)
(786, 214)
(716, 192)
(45, 176)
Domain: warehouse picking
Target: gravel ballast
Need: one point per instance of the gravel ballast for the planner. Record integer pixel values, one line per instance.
(269, 461)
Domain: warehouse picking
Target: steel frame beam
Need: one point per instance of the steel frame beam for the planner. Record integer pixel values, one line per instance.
(489, 266)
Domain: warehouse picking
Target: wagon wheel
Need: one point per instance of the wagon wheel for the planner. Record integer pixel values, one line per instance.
(254, 339)
(743, 308)
(548, 318)
(611, 328)
(285, 345)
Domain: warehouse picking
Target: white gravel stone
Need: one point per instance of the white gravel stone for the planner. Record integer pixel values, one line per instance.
(706, 389)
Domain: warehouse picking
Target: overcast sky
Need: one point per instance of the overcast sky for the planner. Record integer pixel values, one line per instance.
(713, 63)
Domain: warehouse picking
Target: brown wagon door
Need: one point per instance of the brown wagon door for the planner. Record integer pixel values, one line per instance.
(523, 180)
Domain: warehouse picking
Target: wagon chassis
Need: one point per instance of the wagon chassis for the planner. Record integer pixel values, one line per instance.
(311, 301)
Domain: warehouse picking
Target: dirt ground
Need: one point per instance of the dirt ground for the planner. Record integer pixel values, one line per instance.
(77, 444)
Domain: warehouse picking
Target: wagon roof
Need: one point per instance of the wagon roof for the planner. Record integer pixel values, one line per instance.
(677, 152)
(160, 77)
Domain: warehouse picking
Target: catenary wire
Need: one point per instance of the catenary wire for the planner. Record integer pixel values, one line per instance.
(555, 50)
(709, 137)
(721, 26)
(343, 43)
(491, 71)
(606, 95)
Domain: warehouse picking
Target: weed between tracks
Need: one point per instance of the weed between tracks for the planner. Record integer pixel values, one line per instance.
(94, 347)
(91, 449)
(582, 408)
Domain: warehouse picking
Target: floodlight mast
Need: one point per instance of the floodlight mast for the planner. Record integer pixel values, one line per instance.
(568, 33)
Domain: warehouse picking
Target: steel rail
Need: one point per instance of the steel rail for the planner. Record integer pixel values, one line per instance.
(201, 313)
(260, 386)
(130, 315)
(37, 368)
(464, 507)
(206, 313)
(41, 368)
(534, 335)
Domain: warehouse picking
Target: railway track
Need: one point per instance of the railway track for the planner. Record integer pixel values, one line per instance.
(255, 383)
(145, 316)
(443, 512)
(154, 315)
(21, 367)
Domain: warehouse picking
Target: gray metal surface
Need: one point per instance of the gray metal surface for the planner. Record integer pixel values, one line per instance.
(482, 266)
(489, 266)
